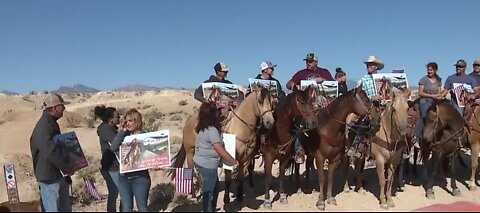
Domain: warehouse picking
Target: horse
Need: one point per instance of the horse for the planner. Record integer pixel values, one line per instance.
(133, 155)
(387, 146)
(242, 122)
(326, 141)
(278, 142)
(444, 134)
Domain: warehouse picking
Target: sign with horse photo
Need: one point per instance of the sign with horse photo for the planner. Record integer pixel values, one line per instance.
(461, 90)
(70, 144)
(268, 84)
(385, 82)
(145, 151)
(223, 94)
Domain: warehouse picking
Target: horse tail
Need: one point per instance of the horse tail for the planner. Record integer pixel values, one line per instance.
(178, 160)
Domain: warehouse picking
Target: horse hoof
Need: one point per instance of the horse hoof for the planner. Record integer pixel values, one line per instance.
(430, 194)
(299, 191)
(346, 189)
(456, 193)
(320, 205)
(267, 204)
(332, 201)
(283, 199)
(390, 203)
(472, 187)
(383, 206)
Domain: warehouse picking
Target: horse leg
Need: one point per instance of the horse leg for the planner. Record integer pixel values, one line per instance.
(190, 163)
(240, 180)
(228, 183)
(308, 168)
(267, 203)
(359, 167)
(453, 177)
(331, 171)
(415, 161)
(435, 161)
(390, 177)
(475, 149)
(401, 173)
(281, 190)
(380, 164)
(296, 174)
(251, 167)
(319, 160)
(346, 167)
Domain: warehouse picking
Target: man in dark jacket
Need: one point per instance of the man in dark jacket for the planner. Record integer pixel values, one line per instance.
(49, 159)
(267, 69)
(221, 71)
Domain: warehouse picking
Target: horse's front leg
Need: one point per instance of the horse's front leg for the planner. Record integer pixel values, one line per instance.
(390, 177)
(453, 176)
(296, 174)
(240, 180)
(228, 183)
(331, 172)
(359, 167)
(251, 167)
(319, 160)
(283, 167)
(267, 203)
(346, 169)
(308, 169)
(435, 163)
(380, 164)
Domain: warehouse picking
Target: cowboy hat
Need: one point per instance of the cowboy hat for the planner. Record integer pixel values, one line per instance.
(375, 60)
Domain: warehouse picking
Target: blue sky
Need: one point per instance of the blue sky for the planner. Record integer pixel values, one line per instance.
(107, 44)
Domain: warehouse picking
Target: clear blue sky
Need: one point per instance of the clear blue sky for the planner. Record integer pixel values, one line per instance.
(107, 44)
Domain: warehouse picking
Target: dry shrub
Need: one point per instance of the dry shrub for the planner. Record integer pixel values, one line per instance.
(183, 103)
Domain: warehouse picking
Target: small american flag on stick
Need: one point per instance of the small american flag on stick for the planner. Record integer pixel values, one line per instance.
(183, 180)
(91, 189)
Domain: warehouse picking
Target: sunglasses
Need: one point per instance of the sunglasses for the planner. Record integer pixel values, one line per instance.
(476, 65)
(224, 72)
(460, 66)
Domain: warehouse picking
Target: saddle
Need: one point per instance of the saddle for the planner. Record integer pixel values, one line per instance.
(469, 109)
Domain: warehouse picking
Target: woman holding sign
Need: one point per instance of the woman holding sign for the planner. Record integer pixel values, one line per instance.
(208, 152)
(132, 184)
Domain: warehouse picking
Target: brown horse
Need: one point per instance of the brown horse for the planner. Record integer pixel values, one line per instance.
(444, 134)
(327, 140)
(279, 141)
(242, 122)
(387, 147)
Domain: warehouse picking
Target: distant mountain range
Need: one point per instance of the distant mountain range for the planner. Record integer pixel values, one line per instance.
(77, 88)
(136, 88)
(6, 92)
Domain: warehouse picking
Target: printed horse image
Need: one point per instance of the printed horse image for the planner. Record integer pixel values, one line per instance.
(387, 147)
(327, 141)
(385, 88)
(279, 141)
(133, 155)
(444, 134)
(256, 109)
(215, 95)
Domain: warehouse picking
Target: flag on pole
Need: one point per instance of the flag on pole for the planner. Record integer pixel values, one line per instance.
(183, 180)
(91, 189)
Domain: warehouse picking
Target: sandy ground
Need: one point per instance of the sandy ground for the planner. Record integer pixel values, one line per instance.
(18, 115)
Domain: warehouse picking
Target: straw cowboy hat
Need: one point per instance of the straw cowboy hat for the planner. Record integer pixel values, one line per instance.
(375, 60)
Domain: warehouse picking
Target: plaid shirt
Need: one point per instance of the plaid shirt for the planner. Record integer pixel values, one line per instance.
(368, 85)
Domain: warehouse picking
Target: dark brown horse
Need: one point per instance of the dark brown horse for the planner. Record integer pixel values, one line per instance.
(327, 141)
(279, 142)
(444, 134)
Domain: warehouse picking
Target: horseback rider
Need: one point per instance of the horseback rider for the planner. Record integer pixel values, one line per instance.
(373, 65)
(312, 72)
(221, 71)
(267, 69)
(461, 78)
(341, 77)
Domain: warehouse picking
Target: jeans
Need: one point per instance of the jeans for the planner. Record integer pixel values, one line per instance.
(55, 195)
(459, 109)
(111, 178)
(210, 188)
(137, 187)
(423, 105)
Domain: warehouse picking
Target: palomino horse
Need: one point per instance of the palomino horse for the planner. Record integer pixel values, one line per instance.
(327, 140)
(387, 146)
(445, 132)
(278, 143)
(241, 122)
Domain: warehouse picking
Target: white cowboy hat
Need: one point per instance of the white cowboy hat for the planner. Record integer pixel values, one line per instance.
(375, 60)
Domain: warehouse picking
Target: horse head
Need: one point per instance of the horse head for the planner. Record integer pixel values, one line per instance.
(363, 106)
(304, 105)
(442, 116)
(399, 111)
(265, 104)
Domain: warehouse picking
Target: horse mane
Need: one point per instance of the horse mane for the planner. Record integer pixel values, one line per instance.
(334, 107)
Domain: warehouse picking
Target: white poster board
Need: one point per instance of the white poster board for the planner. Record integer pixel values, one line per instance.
(229, 141)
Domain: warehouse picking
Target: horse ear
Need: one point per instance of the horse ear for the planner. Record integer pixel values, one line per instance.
(295, 88)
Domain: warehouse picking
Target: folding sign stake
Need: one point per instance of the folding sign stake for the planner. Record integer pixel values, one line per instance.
(12, 190)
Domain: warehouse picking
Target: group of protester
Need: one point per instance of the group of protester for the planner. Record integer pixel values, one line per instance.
(49, 160)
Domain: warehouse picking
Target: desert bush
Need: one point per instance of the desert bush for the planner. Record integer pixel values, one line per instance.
(147, 106)
(176, 117)
(182, 103)
(175, 140)
(161, 193)
(72, 121)
(90, 123)
(2, 122)
(45, 92)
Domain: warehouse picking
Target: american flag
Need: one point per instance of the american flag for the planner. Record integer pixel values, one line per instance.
(398, 71)
(458, 90)
(91, 189)
(183, 180)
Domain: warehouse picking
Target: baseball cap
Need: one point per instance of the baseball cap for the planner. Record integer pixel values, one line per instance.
(220, 66)
(476, 62)
(267, 64)
(53, 100)
(311, 57)
(461, 63)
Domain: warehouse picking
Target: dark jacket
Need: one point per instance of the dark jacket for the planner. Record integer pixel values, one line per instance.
(281, 94)
(199, 93)
(342, 88)
(106, 133)
(48, 158)
(115, 147)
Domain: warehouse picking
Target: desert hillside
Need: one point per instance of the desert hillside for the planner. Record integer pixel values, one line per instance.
(169, 109)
